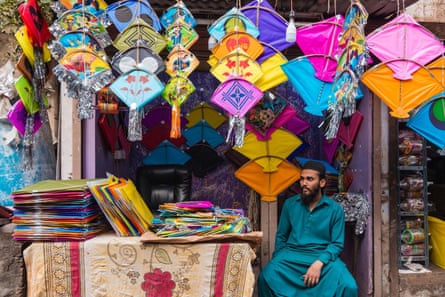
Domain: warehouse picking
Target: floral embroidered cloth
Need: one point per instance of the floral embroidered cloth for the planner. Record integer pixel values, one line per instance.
(110, 266)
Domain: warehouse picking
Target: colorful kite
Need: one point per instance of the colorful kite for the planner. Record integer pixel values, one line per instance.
(429, 120)
(401, 41)
(236, 96)
(322, 53)
(402, 96)
(136, 88)
(123, 13)
(271, 26)
(268, 184)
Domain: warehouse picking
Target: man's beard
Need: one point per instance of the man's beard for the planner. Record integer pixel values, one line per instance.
(307, 198)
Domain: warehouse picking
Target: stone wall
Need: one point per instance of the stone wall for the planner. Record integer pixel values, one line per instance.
(8, 48)
(430, 284)
(12, 267)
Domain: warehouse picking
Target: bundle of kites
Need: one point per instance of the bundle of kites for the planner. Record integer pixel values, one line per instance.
(56, 210)
(199, 218)
(30, 112)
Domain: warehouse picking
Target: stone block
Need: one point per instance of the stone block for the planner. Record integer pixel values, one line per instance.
(12, 266)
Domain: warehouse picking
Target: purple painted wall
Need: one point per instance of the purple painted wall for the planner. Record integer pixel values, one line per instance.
(361, 164)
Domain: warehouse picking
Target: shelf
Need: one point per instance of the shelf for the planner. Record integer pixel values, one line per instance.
(413, 258)
(412, 213)
(411, 168)
(413, 182)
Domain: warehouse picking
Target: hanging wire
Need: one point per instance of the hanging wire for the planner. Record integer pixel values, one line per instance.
(335, 7)
(138, 7)
(442, 80)
(178, 57)
(85, 102)
(84, 38)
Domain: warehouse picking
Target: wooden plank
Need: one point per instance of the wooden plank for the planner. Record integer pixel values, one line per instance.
(89, 148)
(393, 146)
(269, 212)
(69, 138)
(377, 191)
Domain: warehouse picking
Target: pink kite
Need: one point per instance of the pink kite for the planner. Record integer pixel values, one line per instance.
(322, 38)
(404, 38)
(236, 96)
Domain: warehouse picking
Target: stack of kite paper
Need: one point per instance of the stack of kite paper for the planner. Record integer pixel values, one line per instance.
(198, 218)
(122, 205)
(56, 210)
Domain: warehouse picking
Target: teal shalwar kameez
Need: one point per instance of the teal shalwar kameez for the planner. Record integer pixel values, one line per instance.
(303, 237)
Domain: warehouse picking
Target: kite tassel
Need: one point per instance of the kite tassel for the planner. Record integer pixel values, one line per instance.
(236, 131)
(229, 131)
(335, 115)
(134, 124)
(175, 130)
(240, 130)
(85, 106)
(28, 142)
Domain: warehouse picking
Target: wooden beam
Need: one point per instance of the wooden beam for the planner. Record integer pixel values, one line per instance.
(70, 143)
(377, 196)
(269, 212)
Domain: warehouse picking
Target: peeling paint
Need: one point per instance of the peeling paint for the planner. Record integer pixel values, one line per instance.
(428, 11)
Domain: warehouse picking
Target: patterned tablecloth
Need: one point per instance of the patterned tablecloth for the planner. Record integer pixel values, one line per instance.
(108, 266)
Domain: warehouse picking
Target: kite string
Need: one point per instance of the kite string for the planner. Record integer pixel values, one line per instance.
(180, 50)
(139, 33)
(84, 25)
(257, 19)
(442, 80)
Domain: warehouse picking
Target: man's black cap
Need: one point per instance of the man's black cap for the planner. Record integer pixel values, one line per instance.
(317, 166)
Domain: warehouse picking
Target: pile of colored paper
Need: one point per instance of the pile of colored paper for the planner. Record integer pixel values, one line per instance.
(123, 206)
(198, 218)
(56, 210)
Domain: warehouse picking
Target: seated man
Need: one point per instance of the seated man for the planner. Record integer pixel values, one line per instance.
(309, 240)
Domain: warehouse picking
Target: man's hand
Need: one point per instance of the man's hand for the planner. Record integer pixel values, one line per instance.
(312, 276)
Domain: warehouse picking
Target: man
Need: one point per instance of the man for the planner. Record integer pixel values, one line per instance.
(309, 240)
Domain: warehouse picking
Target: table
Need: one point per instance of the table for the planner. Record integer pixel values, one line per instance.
(108, 265)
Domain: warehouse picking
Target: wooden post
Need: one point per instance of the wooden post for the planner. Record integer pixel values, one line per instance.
(89, 148)
(269, 227)
(70, 138)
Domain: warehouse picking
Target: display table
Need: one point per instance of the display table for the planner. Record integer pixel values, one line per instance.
(110, 266)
